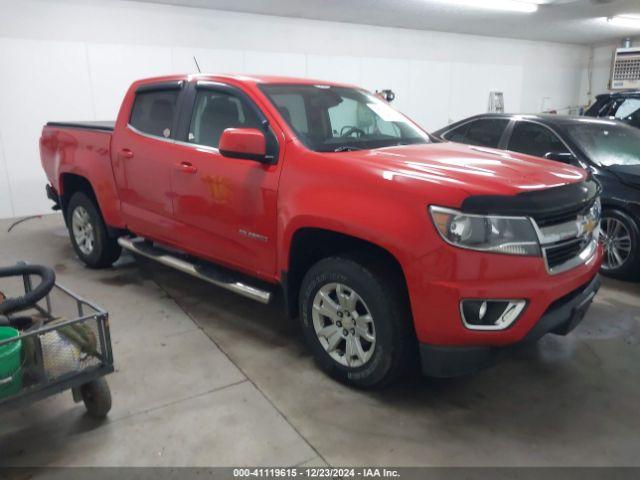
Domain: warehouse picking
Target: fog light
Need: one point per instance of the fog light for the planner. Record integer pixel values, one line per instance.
(479, 314)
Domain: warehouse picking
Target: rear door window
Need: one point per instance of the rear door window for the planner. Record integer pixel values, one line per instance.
(485, 132)
(154, 111)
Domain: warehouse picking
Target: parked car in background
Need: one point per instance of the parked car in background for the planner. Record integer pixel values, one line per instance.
(623, 106)
(610, 150)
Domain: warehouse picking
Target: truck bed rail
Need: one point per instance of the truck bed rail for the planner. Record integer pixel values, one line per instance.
(104, 126)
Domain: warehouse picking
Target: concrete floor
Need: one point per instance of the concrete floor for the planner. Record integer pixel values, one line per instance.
(205, 377)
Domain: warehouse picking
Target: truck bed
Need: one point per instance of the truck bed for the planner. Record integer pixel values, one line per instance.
(105, 126)
(77, 148)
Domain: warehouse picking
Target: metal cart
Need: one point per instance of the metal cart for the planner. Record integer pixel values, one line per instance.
(50, 361)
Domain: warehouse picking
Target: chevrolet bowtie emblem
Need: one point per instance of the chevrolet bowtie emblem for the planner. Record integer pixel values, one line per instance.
(586, 225)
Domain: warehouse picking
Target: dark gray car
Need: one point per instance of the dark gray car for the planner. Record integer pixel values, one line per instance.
(609, 149)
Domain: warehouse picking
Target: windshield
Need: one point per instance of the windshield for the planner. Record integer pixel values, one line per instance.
(607, 143)
(336, 119)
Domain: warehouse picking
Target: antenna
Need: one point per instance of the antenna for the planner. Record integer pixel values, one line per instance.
(197, 66)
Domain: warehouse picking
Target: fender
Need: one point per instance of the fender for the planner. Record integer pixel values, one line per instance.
(393, 227)
(85, 154)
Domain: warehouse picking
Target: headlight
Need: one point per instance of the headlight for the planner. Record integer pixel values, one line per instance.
(487, 233)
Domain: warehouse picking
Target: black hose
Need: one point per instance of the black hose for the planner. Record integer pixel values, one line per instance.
(48, 279)
(22, 220)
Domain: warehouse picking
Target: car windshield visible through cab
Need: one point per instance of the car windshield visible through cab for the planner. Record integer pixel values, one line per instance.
(607, 143)
(336, 119)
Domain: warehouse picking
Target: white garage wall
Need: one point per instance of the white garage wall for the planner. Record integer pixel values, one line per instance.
(73, 60)
(596, 79)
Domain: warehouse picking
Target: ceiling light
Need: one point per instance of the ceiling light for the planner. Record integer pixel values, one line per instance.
(626, 21)
(504, 5)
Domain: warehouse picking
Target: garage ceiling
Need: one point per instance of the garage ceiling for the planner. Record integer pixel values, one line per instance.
(571, 21)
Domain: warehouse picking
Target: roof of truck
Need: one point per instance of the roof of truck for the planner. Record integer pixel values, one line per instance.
(246, 78)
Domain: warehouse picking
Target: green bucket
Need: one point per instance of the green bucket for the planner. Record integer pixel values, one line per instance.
(10, 363)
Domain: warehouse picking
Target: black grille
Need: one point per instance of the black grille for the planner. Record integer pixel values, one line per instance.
(562, 252)
(563, 216)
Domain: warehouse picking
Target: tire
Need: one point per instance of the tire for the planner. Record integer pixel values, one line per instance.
(620, 235)
(96, 397)
(377, 363)
(83, 221)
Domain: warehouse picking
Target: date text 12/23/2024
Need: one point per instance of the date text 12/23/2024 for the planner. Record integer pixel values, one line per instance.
(315, 472)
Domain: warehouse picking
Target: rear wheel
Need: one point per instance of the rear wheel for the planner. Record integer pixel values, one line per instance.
(356, 322)
(619, 234)
(88, 233)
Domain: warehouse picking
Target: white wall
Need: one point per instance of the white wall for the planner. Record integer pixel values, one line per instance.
(601, 70)
(73, 60)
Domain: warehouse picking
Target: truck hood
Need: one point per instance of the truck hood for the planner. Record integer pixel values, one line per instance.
(478, 170)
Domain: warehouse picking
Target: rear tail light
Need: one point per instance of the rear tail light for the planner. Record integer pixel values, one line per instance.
(486, 314)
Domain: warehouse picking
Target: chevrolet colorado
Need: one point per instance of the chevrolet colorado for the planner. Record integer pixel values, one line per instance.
(383, 241)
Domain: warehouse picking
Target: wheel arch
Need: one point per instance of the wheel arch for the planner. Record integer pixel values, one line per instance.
(310, 244)
(71, 183)
(622, 206)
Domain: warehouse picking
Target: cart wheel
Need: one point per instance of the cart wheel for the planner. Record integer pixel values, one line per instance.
(97, 397)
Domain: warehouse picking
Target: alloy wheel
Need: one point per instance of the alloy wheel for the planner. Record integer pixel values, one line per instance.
(616, 240)
(83, 232)
(344, 325)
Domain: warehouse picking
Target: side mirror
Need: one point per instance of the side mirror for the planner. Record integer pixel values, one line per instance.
(564, 157)
(247, 143)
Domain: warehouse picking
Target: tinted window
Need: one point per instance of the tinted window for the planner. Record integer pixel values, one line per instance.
(457, 134)
(332, 119)
(600, 107)
(484, 132)
(153, 112)
(534, 139)
(216, 111)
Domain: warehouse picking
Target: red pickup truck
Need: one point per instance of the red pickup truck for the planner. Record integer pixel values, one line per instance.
(385, 242)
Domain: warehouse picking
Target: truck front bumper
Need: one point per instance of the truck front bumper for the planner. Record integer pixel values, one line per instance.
(560, 318)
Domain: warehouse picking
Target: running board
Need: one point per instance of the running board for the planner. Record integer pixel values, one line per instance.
(207, 272)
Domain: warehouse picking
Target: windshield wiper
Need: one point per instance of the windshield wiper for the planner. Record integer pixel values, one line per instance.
(346, 148)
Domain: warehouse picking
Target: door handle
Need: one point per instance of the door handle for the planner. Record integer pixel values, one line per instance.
(186, 167)
(126, 153)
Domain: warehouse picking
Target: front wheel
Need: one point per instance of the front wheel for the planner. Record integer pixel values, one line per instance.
(619, 234)
(356, 322)
(97, 397)
(88, 233)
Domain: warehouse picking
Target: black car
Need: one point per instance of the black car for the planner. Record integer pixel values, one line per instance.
(609, 149)
(624, 106)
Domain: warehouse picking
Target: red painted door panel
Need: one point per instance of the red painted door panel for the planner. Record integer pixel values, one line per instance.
(144, 157)
(142, 169)
(225, 208)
